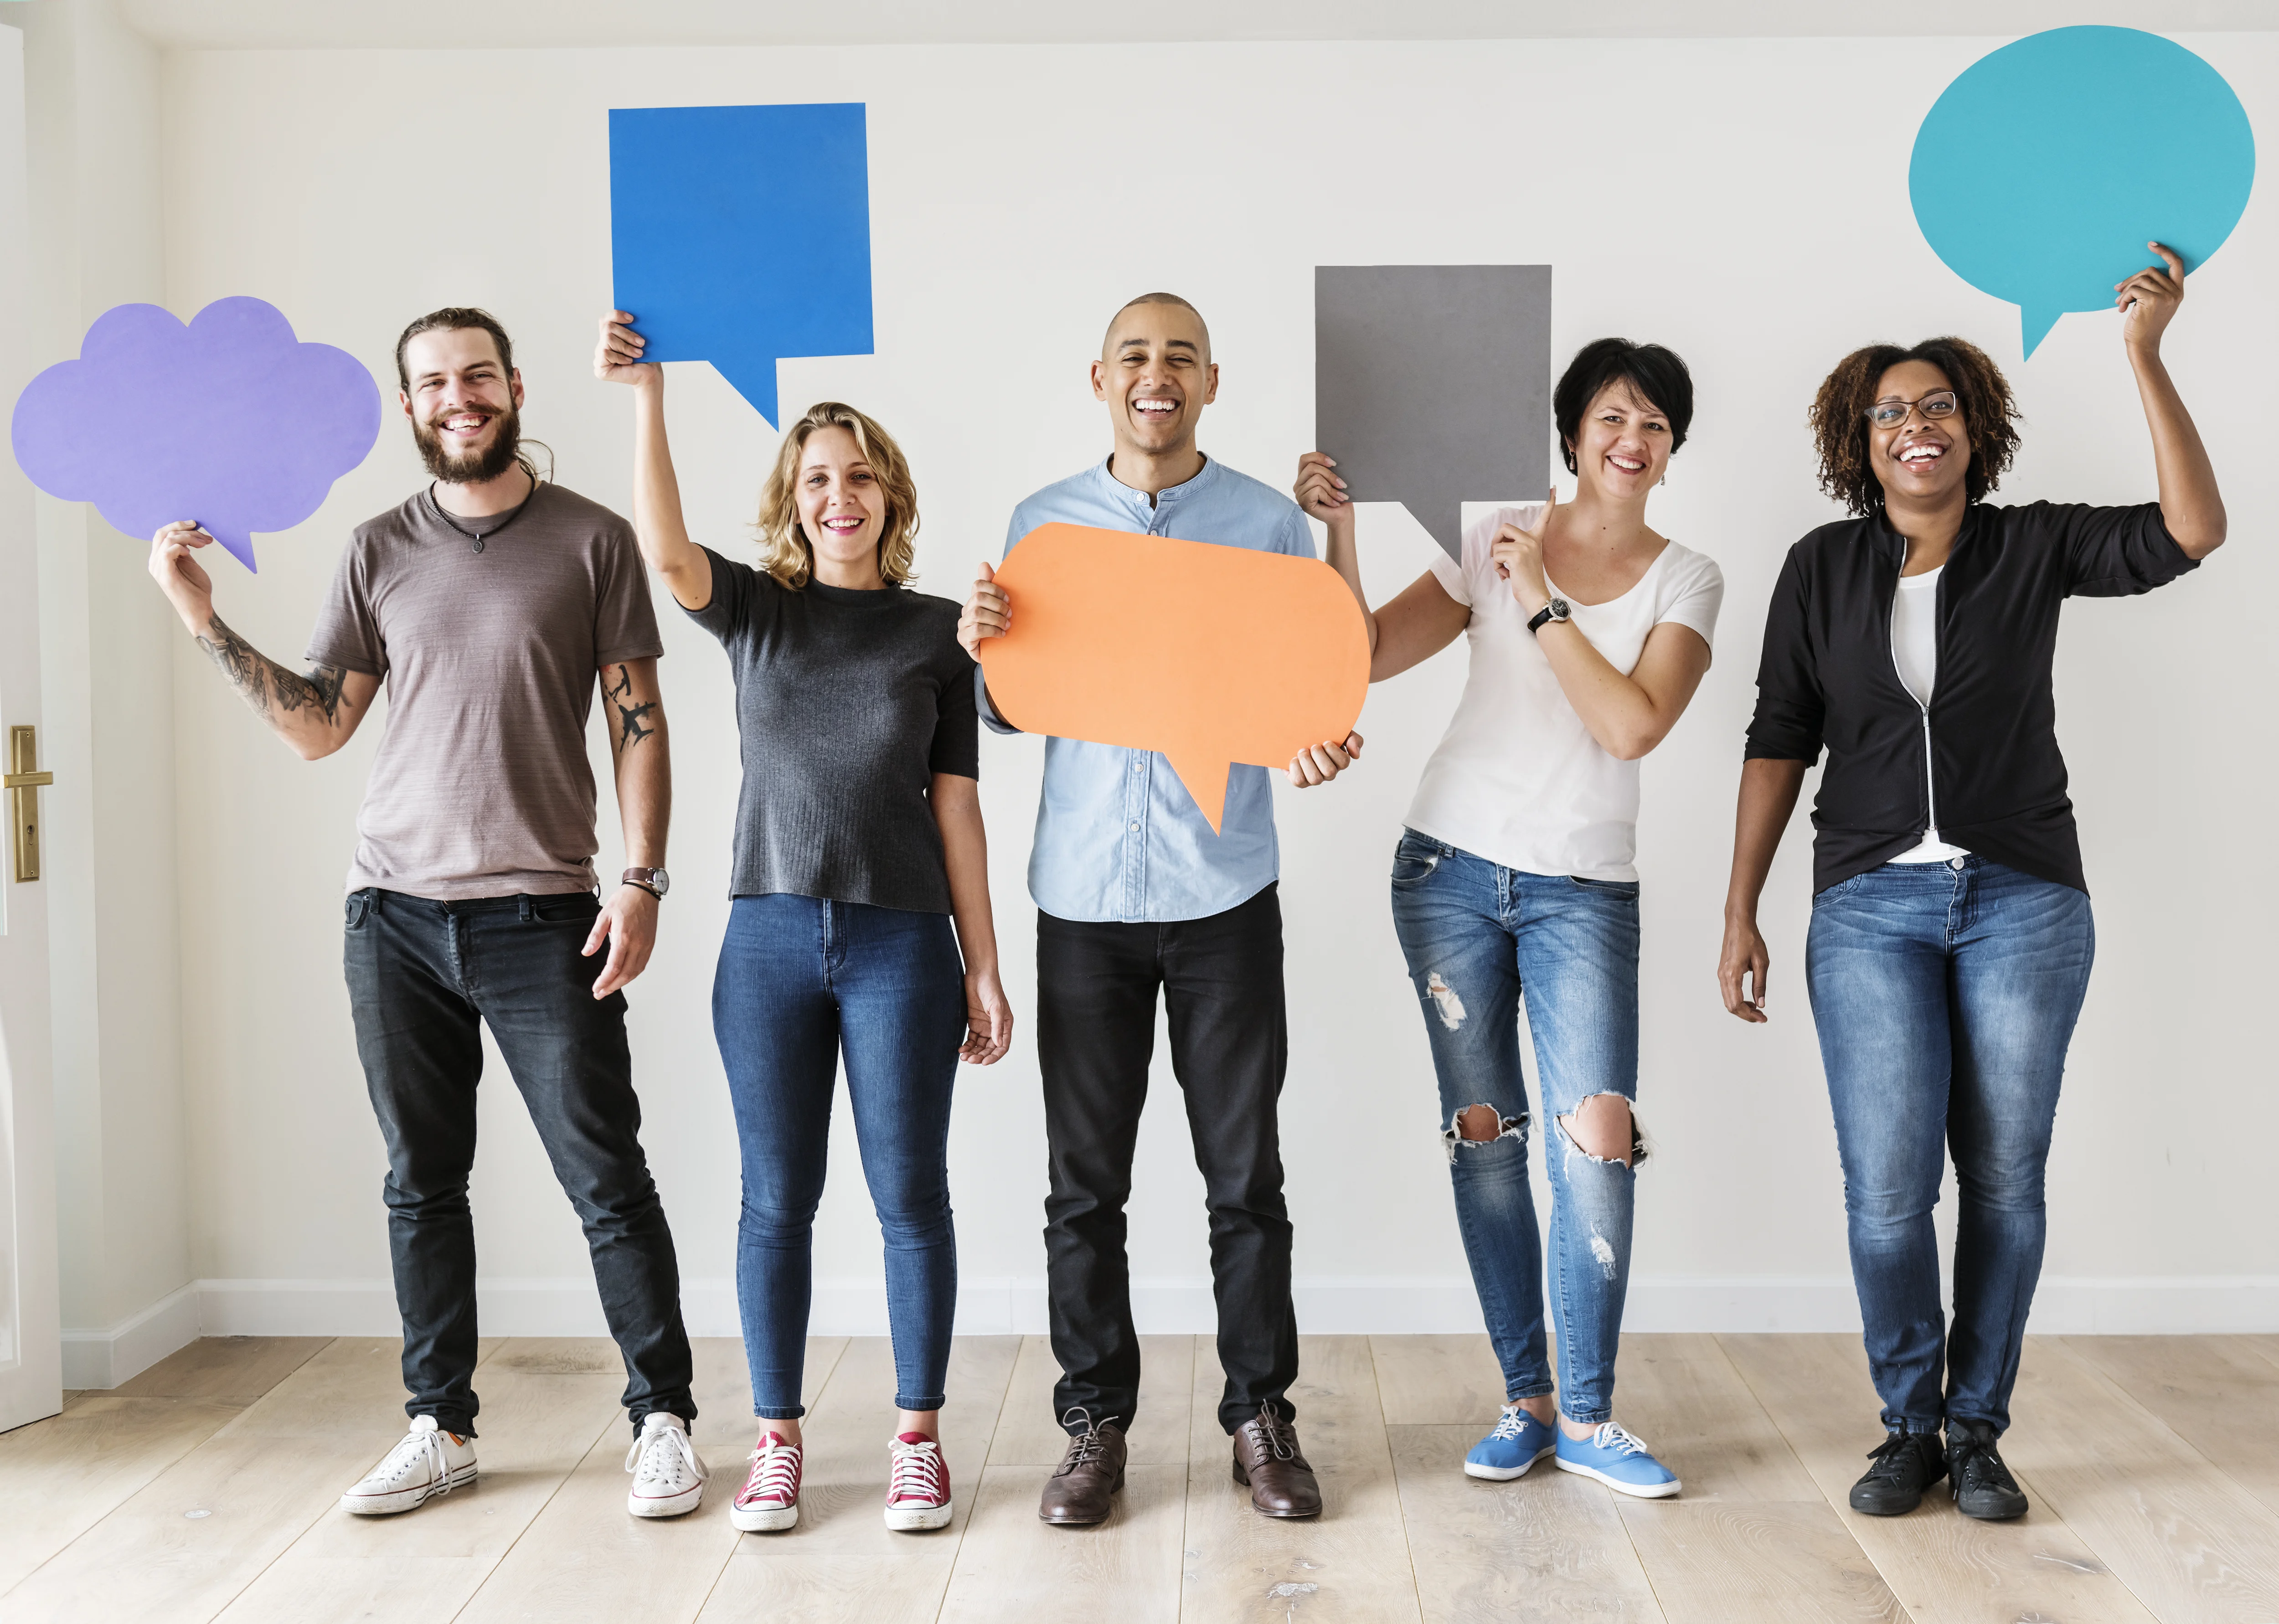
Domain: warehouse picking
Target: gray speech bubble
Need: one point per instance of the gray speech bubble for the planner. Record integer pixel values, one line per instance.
(1432, 385)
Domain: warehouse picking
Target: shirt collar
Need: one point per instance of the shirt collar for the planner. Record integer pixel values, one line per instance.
(1170, 495)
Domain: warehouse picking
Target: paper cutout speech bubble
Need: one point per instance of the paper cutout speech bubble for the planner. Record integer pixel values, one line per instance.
(1432, 385)
(741, 235)
(231, 421)
(2041, 172)
(1211, 655)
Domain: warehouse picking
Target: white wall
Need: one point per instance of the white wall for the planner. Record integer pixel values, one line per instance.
(1742, 201)
(92, 118)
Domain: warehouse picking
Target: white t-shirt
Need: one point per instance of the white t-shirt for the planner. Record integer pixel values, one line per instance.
(1518, 779)
(1915, 650)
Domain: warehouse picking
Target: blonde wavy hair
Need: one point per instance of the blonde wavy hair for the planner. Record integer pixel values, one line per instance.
(784, 551)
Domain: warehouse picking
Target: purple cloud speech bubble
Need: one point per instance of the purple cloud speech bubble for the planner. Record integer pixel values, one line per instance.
(231, 421)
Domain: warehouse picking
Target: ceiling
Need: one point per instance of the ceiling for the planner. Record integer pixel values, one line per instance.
(492, 24)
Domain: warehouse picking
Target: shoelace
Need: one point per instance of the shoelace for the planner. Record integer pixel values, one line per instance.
(1513, 1422)
(1084, 1447)
(657, 1457)
(418, 1446)
(1610, 1436)
(918, 1474)
(1984, 1467)
(1281, 1437)
(775, 1474)
(1891, 1457)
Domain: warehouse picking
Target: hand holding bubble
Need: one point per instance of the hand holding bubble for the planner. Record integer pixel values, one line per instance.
(2028, 183)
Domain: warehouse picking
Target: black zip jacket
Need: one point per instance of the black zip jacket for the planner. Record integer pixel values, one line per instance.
(1982, 763)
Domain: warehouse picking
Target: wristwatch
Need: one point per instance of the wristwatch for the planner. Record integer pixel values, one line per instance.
(1556, 610)
(656, 882)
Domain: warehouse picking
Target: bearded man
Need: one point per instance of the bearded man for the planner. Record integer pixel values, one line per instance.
(494, 604)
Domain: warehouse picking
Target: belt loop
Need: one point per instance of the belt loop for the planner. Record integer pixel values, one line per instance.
(522, 900)
(371, 896)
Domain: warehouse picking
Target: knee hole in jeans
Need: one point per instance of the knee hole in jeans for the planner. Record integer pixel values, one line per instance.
(1476, 1126)
(1600, 1133)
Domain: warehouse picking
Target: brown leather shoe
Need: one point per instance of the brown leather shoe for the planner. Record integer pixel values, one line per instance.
(1082, 1489)
(1267, 1457)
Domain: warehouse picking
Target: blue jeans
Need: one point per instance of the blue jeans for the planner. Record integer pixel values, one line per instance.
(1478, 938)
(1946, 994)
(801, 981)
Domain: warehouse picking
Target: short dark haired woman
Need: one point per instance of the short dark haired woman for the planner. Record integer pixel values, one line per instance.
(1951, 935)
(1514, 878)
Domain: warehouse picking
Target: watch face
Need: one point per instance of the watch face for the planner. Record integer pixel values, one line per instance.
(661, 880)
(1559, 609)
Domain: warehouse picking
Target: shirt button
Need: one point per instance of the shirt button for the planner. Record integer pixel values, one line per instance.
(1135, 766)
(1135, 829)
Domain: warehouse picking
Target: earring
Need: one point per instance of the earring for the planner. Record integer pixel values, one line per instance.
(1665, 478)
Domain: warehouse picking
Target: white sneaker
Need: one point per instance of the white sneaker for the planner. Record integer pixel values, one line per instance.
(668, 1473)
(429, 1461)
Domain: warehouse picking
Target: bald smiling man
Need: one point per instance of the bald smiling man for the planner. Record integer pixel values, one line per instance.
(1134, 894)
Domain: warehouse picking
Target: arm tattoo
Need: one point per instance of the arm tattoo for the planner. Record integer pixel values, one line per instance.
(631, 726)
(259, 677)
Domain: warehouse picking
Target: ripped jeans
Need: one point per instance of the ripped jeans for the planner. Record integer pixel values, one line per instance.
(1479, 938)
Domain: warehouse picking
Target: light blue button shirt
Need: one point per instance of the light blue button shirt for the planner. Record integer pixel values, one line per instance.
(1118, 836)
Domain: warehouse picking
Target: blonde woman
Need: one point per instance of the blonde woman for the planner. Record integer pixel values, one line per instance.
(858, 843)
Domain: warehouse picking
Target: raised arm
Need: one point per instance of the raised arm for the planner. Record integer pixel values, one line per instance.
(2190, 505)
(1416, 626)
(634, 713)
(957, 804)
(657, 522)
(315, 713)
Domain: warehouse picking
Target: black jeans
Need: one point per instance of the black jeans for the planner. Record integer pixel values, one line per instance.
(422, 977)
(1222, 983)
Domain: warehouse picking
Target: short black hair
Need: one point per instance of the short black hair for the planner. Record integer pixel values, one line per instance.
(1654, 374)
(453, 317)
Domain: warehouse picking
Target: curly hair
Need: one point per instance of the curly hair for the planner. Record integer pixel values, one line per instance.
(784, 551)
(1840, 427)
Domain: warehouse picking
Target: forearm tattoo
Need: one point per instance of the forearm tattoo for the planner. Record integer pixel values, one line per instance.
(633, 720)
(261, 679)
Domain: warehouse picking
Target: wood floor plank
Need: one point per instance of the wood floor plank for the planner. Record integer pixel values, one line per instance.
(61, 1476)
(843, 1478)
(536, 1426)
(261, 1480)
(1682, 1396)
(766, 1584)
(1740, 1561)
(2191, 1543)
(1548, 1547)
(1012, 1566)
(225, 1369)
(1029, 1433)
(1352, 1561)
(1437, 1381)
(1946, 1568)
(584, 1557)
(2220, 1394)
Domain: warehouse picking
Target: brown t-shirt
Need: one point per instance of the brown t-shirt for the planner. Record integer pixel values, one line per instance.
(490, 633)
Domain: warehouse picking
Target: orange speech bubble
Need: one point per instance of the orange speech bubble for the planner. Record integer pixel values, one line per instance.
(1211, 655)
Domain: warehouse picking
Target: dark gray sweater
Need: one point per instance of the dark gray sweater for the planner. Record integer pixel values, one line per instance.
(848, 703)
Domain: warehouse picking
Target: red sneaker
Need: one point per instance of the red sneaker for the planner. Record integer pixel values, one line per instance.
(769, 1501)
(918, 1485)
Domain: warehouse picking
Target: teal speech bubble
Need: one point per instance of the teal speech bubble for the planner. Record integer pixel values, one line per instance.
(2041, 172)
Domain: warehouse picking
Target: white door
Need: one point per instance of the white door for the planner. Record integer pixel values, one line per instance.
(31, 1339)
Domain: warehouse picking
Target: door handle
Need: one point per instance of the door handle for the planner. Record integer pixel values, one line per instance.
(23, 782)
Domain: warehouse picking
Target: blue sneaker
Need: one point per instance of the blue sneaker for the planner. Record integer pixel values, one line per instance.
(1617, 1459)
(1517, 1443)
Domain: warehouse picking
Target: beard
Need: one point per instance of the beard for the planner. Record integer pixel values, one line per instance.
(474, 467)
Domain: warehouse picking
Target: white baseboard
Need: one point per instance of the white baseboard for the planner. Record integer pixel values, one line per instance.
(105, 1358)
(2065, 1306)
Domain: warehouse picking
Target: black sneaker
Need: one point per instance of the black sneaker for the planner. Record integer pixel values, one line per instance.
(1907, 1463)
(1983, 1487)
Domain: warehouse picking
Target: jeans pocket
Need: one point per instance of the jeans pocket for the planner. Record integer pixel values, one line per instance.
(1621, 890)
(1838, 892)
(358, 910)
(571, 908)
(1415, 860)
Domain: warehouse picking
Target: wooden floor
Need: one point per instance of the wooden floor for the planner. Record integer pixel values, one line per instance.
(205, 1488)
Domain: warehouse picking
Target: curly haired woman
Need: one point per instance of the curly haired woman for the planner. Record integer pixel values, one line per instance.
(1951, 937)
(858, 843)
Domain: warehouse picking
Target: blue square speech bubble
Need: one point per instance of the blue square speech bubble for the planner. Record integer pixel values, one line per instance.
(741, 235)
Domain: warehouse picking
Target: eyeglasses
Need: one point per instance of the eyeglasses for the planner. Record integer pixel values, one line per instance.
(1890, 414)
